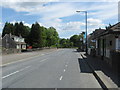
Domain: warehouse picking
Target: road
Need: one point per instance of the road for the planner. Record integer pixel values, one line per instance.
(63, 68)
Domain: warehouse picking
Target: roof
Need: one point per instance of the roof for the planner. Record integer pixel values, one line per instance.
(12, 36)
(97, 33)
(117, 25)
(114, 29)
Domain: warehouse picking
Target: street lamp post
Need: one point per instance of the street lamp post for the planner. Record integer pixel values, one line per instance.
(85, 27)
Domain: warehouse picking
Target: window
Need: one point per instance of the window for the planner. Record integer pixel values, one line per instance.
(23, 46)
(110, 43)
(12, 38)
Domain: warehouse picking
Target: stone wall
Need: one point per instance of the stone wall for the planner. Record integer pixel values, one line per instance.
(115, 57)
(10, 51)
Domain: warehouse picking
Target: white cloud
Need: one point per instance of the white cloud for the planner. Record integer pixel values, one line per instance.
(24, 6)
(1, 27)
(30, 0)
(104, 11)
(73, 26)
(61, 0)
(26, 24)
(29, 25)
(95, 22)
(51, 14)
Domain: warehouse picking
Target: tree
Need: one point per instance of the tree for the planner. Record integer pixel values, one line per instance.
(65, 43)
(35, 36)
(43, 37)
(8, 28)
(21, 29)
(76, 40)
(52, 36)
(17, 30)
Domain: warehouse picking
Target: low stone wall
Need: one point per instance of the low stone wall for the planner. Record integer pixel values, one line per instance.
(10, 51)
(115, 57)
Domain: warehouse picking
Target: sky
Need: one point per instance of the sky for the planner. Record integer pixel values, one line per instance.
(61, 15)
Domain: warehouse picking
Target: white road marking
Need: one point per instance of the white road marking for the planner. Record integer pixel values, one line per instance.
(24, 59)
(21, 60)
(61, 77)
(15, 72)
(66, 65)
(10, 74)
(64, 70)
(42, 54)
(43, 60)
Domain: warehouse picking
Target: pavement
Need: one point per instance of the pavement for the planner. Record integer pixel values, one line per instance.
(63, 68)
(102, 71)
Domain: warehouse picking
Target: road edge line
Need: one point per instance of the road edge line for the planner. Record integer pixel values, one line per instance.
(24, 59)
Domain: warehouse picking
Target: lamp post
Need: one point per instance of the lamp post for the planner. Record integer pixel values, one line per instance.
(85, 27)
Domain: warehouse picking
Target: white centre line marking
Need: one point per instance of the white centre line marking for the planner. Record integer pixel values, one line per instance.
(15, 72)
(66, 65)
(61, 77)
(64, 70)
(43, 60)
(42, 54)
(10, 74)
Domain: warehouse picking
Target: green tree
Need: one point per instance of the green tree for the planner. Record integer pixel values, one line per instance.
(35, 36)
(43, 37)
(8, 28)
(21, 29)
(76, 40)
(65, 43)
(52, 36)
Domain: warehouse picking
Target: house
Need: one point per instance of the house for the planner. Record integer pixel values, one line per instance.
(0, 40)
(107, 41)
(0, 43)
(13, 42)
(92, 39)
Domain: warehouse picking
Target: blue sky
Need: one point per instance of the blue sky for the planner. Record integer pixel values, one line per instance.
(61, 15)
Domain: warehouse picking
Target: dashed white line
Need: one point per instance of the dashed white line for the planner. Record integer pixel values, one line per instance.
(64, 70)
(10, 74)
(15, 72)
(42, 54)
(66, 65)
(43, 60)
(61, 77)
(24, 68)
(22, 60)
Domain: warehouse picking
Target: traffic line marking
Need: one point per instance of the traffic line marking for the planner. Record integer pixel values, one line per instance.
(15, 72)
(66, 65)
(42, 54)
(43, 60)
(61, 77)
(25, 59)
(64, 70)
